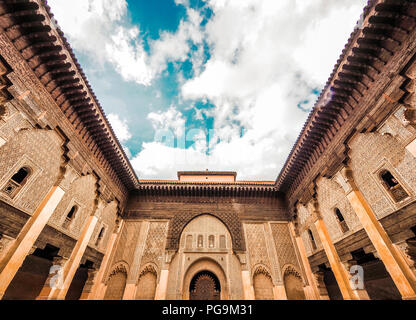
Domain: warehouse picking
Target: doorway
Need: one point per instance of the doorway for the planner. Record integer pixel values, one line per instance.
(205, 286)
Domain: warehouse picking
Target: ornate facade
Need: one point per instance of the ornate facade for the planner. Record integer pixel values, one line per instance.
(77, 223)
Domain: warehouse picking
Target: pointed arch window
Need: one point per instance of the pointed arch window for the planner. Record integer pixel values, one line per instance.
(341, 221)
(17, 181)
(393, 187)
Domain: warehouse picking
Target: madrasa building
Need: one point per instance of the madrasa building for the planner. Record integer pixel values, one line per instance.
(339, 221)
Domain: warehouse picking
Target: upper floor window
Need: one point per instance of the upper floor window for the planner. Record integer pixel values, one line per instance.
(100, 236)
(200, 241)
(393, 186)
(312, 239)
(211, 241)
(70, 217)
(341, 220)
(222, 242)
(17, 181)
(188, 243)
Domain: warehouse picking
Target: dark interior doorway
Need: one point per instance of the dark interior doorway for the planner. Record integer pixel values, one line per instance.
(331, 284)
(32, 274)
(205, 286)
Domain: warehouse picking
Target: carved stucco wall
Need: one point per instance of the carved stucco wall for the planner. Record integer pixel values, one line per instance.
(330, 195)
(191, 257)
(285, 248)
(371, 152)
(229, 218)
(38, 149)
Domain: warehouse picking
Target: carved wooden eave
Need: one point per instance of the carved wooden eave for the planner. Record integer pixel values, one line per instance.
(27, 23)
(211, 190)
(387, 24)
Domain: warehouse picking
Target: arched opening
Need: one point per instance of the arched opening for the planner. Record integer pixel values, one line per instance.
(293, 285)
(116, 285)
(146, 286)
(17, 181)
(392, 185)
(205, 286)
(70, 217)
(341, 221)
(263, 285)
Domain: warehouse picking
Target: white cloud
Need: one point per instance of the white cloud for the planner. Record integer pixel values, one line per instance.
(266, 57)
(171, 120)
(120, 127)
(101, 29)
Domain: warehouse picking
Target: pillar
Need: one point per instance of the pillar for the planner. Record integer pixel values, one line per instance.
(358, 288)
(162, 287)
(247, 287)
(24, 242)
(279, 292)
(133, 277)
(393, 260)
(76, 255)
(337, 268)
(98, 286)
(311, 291)
(55, 278)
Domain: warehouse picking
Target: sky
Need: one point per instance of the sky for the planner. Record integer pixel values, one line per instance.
(207, 84)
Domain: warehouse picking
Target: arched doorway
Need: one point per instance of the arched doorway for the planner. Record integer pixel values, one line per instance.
(205, 286)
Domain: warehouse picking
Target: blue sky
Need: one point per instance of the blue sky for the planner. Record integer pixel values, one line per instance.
(243, 72)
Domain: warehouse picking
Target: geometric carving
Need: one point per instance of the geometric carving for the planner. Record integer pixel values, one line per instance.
(154, 246)
(257, 247)
(229, 218)
(284, 245)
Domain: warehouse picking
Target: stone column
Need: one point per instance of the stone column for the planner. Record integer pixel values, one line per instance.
(133, 277)
(337, 268)
(98, 286)
(247, 287)
(358, 288)
(20, 248)
(279, 292)
(311, 291)
(55, 278)
(77, 253)
(162, 287)
(86, 291)
(393, 260)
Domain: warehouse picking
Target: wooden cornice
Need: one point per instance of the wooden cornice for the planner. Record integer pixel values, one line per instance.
(386, 26)
(27, 23)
